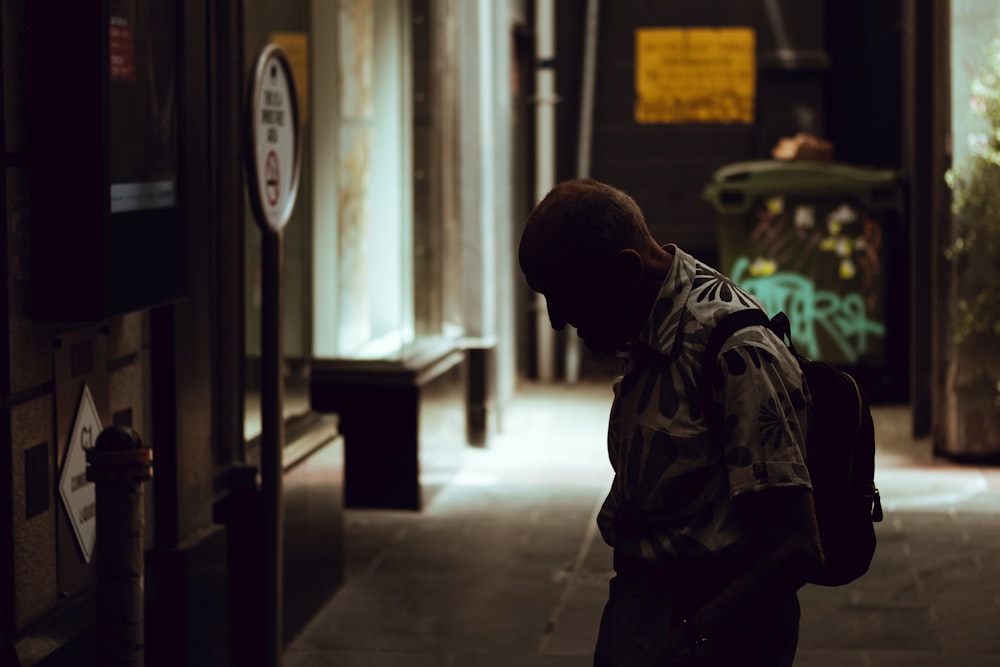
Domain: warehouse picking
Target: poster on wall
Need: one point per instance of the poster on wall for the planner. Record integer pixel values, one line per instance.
(694, 75)
(142, 104)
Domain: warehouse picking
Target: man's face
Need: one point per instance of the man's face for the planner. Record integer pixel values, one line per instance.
(591, 300)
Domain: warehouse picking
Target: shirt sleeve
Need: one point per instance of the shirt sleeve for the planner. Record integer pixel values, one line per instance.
(767, 406)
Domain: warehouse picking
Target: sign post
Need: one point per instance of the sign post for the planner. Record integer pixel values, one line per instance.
(272, 160)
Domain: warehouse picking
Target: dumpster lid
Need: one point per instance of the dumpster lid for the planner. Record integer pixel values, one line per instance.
(802, 173)
(734, 186)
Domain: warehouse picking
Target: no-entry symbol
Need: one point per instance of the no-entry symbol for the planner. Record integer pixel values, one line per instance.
(272, 179)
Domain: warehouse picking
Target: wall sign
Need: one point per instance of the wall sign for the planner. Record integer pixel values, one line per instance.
(121, 49)
(79, 496)
(694, 75)
(273, 153)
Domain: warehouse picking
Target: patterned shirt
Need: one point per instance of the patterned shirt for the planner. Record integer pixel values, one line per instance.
(669, 470)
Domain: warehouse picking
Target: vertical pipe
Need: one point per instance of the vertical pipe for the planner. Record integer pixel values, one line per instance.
(583, 150)
(587, 89)
(118, 464)
(272, 441)
(545, 157)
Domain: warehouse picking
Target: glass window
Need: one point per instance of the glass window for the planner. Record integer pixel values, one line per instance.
(369, 272)
(365, 277)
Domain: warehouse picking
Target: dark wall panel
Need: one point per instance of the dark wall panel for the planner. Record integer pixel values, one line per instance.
(864, 92)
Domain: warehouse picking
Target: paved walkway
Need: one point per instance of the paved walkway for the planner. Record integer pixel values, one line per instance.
(504, 566)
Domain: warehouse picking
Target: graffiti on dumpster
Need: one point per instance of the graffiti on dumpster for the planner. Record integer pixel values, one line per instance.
(842, 317)
(819, 262)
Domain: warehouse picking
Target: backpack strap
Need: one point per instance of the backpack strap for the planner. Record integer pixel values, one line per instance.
(725, 328)
(783, 328)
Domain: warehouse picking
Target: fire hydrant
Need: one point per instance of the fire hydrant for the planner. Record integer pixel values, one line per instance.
(118, 464)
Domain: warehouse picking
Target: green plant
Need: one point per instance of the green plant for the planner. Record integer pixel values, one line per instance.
(975, 247)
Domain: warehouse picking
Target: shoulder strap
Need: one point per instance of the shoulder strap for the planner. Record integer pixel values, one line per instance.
(783, 328)
(725, 328)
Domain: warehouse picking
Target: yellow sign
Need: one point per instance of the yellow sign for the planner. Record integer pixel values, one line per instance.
(296, 46)
(694, 75)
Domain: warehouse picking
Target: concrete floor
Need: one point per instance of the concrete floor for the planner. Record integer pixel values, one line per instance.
(504, 566)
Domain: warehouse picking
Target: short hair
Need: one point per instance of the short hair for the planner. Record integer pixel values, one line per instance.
(581, 220)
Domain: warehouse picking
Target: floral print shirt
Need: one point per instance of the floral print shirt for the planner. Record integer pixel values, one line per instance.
(669, 468)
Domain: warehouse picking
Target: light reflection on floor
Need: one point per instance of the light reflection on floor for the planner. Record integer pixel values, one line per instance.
(556, 433)
(910, 477)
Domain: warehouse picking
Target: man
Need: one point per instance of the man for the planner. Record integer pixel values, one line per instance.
(711, 521)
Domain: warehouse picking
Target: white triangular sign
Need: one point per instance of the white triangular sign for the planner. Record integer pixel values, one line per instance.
(80, 496)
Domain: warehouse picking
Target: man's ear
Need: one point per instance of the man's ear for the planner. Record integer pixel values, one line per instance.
(628, 267)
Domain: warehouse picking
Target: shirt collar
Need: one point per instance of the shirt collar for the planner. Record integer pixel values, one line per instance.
(660, 332)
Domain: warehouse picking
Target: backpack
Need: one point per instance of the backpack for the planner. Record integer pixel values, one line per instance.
(840, 451)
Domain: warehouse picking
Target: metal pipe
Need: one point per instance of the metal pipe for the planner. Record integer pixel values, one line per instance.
(587, 90)
(118, 464)
(545, 160)
(583, 145)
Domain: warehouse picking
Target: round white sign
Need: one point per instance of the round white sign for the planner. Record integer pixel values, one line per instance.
(273, 143)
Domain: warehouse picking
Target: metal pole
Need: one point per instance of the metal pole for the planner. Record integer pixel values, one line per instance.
(545, 160)
(273, 159)
(573, 351)
(118, 464)
(272, 441)
(587, 90)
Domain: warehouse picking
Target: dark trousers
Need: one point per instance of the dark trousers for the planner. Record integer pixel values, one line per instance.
(640, 626)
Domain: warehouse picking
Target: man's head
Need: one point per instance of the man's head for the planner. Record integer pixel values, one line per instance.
(587, 248)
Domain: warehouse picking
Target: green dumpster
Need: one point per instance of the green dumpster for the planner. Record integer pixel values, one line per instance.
(825, 243)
